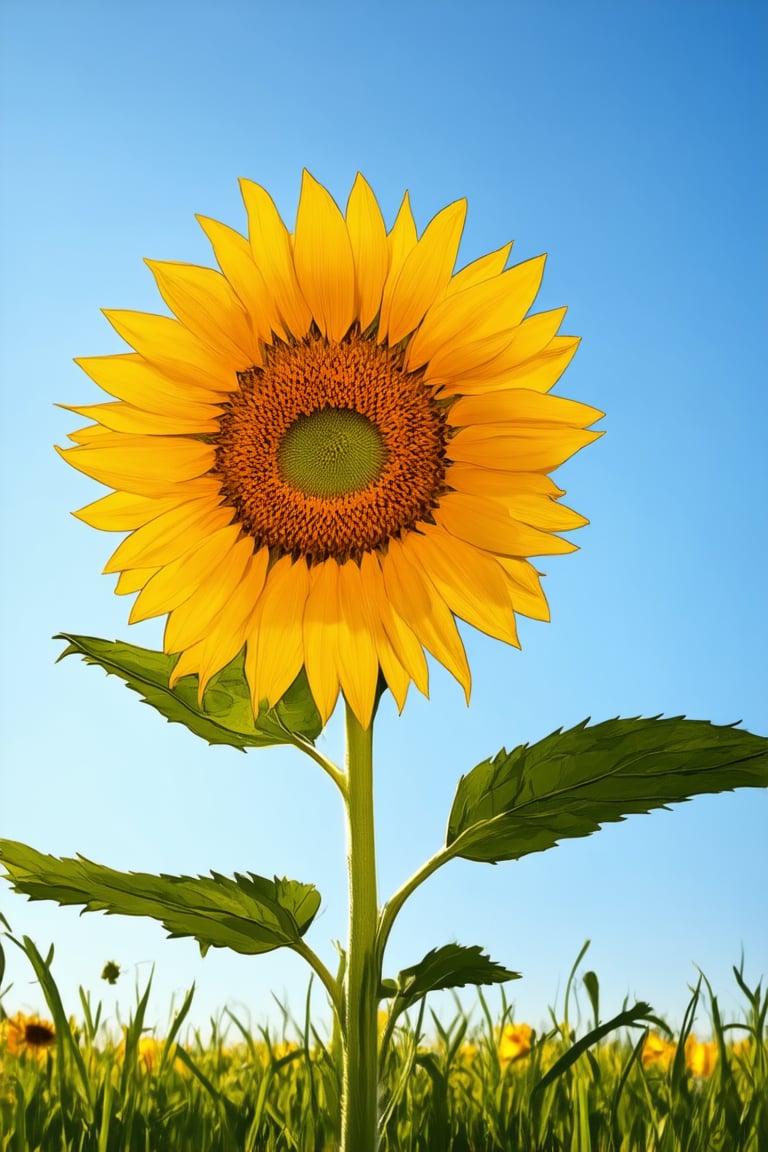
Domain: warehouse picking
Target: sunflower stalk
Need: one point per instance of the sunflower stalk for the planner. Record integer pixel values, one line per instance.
(362, 979)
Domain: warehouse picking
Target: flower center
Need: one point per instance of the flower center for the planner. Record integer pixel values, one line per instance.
(330, 450)
(38, 1035)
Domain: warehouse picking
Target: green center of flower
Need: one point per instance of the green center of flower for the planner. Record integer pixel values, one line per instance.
(331, 452)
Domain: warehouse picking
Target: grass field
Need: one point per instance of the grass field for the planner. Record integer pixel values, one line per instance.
(486, 1084)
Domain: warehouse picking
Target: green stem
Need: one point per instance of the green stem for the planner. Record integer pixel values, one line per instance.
(316, 964)
(359, 1119)
(327, 765)
(395, 902)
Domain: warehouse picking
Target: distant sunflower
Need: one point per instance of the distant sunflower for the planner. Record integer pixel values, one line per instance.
(22, 1033)
(515, 1042)
(335, 449)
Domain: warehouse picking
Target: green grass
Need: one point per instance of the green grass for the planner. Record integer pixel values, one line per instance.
(444, 1087)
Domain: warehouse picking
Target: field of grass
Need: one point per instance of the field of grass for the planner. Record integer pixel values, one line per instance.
(494, 1085)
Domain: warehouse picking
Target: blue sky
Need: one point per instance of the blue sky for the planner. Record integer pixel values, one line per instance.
(621, 139)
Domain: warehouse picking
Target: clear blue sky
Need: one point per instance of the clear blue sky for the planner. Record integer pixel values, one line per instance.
(622, 139)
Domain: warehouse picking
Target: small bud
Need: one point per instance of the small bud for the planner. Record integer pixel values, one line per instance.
(110, 972)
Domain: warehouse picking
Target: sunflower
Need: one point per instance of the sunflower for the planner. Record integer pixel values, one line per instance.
(700, 1056)
(515, 1042)
(21, 1033)
(657, 1050)
(333, 449)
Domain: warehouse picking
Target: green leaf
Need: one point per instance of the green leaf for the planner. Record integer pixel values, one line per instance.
(249, 914)
(452, 966)
(592, 985)
(572, 782)
(630, 1018)
(225, 716)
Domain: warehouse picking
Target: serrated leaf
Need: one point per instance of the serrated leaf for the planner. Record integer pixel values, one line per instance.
(249, 914)
(570, 783)
(452, 966)
(225, 717)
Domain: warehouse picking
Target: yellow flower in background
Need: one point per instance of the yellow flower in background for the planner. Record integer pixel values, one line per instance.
(467, 1053)
(743, 1047)
(21, 1033)
(334, 449)
(657, 1050)
(700, 1056)
(515, 1042)
(149, 1053)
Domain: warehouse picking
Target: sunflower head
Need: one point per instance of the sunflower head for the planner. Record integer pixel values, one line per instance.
(658, 1050)
(700, 1056)
(515, 1042)
(27, 1034)
(333, 449)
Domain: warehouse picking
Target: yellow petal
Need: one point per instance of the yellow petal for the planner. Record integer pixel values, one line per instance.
(470, 581)
(320, 636)
(464, 360)
(170, 346)
(416, 599)
(228, 630)
(191, 662)
(322, 256)
(538, 374)
(370, 250)
(144, 465)
(358, 662)
(274, 651)
(193, 620)
(521, 406)
(169, 535)
(271, 249)
(206, 304)
(124, 511)
(398, 680)
(132, 378)
(543, 512)
(479, 270)
(134, 580)
(234, 257)
(518, 448)
(395, 674)
(177, 581)
(528, 341)
(487, 525)
(404, 643)
(96, 435)
(426, 271)
(499, 484)
(121, 417)
(400, 243)
(530, 338)
(525, 591)
(526, 496)
(485, 309)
